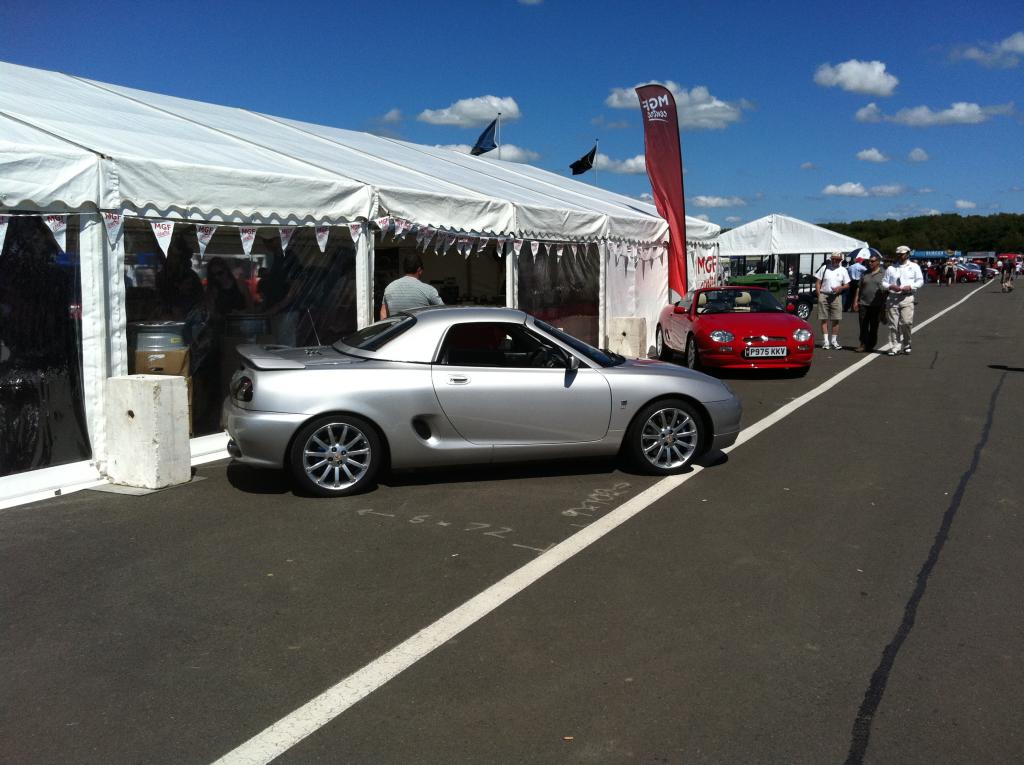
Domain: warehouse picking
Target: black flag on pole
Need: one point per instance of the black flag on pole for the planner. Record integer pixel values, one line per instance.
(486, 140)
(584, 163)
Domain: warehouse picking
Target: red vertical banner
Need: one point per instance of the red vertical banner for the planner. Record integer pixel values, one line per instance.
(665, 170)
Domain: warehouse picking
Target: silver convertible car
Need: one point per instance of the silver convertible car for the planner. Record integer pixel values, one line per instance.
(450, 386)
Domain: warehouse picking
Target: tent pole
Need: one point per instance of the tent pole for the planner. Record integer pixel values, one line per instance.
(97, 365)
(364, 278)
(602, 296)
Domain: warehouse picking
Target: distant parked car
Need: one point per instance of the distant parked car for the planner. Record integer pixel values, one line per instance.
(734, 328)
(968, 272)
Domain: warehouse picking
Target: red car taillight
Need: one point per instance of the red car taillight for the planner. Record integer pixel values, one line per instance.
(242, 389)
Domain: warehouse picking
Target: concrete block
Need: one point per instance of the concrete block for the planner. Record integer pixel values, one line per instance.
(147, 431)
(628, 335)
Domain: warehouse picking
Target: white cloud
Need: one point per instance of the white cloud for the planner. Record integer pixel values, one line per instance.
(509, 152)
(696, 107)
(530, 2)
(1004, 54)
(959, 113)
(918, 155)
(848, 189)
(632, 166)
(965, 204)
(856, 76)
(703, 201)
(851, 189)
(931, 211)
(733, 219)
(703, 217)
(925, 190)
(395, 115)
(871, 155)
(869, 113)
(646, 197)
(808, 166)
(887, 190)
(473, 112)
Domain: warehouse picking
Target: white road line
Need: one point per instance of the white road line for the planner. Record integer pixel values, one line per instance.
(307, 719)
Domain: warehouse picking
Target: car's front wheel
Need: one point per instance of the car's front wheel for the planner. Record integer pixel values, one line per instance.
(664, 437)
(803, 310)
(663, 351)
(336, 455)
(692, 359)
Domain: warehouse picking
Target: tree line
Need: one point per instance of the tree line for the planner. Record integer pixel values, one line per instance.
(968, 233)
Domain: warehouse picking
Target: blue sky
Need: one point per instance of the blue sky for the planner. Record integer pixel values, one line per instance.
(824, 111)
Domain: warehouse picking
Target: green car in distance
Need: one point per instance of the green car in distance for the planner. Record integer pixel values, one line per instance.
(777, 283)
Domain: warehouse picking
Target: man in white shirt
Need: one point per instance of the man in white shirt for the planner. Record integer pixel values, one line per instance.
(900, 282)
(831, 281)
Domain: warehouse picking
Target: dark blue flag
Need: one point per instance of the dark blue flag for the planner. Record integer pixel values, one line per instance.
(486, 140)
(584, 163)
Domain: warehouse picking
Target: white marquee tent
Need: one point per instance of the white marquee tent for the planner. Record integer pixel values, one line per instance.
(782, 235)
(79, 147)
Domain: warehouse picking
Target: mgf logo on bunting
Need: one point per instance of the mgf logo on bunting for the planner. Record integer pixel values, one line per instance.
(656, 108)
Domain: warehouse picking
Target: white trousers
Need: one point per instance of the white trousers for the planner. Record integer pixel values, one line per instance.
(900, 311)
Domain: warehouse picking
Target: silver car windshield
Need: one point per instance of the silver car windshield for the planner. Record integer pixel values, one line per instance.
(604, 358)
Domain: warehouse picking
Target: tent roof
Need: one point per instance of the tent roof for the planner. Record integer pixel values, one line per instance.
(74, 143)
(782, 235)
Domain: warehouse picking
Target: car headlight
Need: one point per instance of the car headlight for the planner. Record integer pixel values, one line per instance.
(721, 336)
(802, 335)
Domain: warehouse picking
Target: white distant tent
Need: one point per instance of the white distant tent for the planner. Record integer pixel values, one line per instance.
(74, 146)
(782, 235)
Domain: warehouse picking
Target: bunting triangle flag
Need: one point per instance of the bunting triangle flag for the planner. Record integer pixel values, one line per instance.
(517, 245)
(58, 225)
(355, 230)
(114, 223)
(204, 233)
(163, 231)
(4, 220)
(534, 247)
(322, 232)
(286, 233)
(248, 235)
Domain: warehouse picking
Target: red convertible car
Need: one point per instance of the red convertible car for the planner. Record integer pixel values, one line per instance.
(734, 328)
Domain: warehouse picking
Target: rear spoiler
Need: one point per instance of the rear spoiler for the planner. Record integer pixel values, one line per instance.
(266, 357)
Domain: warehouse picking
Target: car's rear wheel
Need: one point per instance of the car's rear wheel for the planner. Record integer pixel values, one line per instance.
(336, 455)
(692, 359)
(665, 437)
(803, 310)
(663, 351)
(963, 280)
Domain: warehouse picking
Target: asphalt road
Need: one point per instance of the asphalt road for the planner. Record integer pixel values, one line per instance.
(843, 588)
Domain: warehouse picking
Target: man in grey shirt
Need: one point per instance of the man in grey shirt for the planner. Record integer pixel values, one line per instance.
(409, 291)
(868, 301)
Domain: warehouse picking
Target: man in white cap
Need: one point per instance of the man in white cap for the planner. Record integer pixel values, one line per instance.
(900, 282)
(831, 281)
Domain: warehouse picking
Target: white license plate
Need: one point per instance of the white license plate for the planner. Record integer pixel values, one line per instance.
(769, 351)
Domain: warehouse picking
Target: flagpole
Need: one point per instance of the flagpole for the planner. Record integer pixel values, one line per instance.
(499, 135)
(597, 143)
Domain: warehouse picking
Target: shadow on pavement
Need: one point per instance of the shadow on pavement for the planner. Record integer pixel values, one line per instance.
(256, 481)
(1004, 368)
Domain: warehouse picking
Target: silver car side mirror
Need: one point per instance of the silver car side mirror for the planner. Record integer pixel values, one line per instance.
(574, 363)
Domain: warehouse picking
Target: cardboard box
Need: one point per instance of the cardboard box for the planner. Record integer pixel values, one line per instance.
(162, 362)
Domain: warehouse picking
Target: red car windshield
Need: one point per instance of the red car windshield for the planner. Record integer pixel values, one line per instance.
(737, 301)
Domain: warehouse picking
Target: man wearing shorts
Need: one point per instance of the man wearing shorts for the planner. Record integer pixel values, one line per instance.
(901, 281)
(831, 281)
